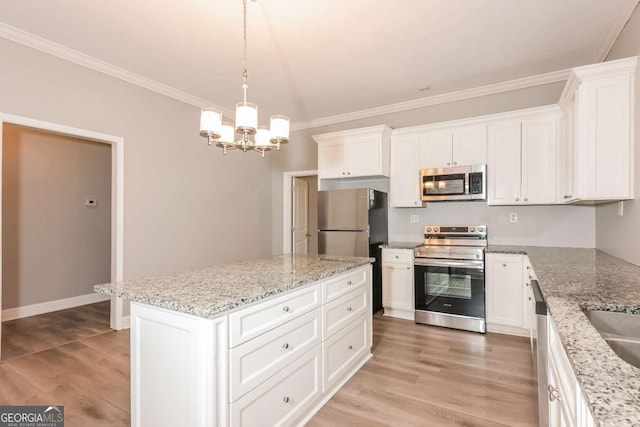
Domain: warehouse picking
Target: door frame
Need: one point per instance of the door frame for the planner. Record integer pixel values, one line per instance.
(287, 205)
(117, 320)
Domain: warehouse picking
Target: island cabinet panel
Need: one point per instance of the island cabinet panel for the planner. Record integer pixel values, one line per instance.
(343, 351)
(175, 364)
(283, 399)
(342, 311)
(334, 288)
(250, 322)
(255, 361)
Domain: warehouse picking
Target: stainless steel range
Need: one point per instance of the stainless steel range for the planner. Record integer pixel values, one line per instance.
(449, 277)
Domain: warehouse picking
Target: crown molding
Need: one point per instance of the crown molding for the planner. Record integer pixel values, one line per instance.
(621, 19)
(523, 83)
(71, 55)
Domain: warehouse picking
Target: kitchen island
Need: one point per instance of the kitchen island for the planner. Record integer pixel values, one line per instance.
(258, 342)
(573, 280)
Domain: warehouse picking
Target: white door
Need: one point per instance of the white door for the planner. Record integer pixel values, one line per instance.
(300, 216)
(470, 145)
(435, 149)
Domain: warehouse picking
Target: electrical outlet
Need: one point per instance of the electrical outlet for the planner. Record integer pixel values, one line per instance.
(90, 202)
(513, 217)
(415, 219)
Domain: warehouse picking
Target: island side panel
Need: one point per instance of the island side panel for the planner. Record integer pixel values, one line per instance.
(178, 368)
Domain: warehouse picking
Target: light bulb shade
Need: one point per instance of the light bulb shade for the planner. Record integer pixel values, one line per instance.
(279, 127)
(246, 117)
(210, 123)
(262, 138)
(227, 133)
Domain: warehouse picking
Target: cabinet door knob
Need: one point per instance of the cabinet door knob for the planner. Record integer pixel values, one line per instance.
(285, 399)
(350, 347)
(415, 203)
(285, 346)
(529, 298)
(448, 164)
(349, 309)
(455, 163)
(348, 173)
(408, 268)
(397, 256)
(517, 199)
(525, 199)
(285, 308)
(343, 173)
(348, 282)
(554, 394)
(504, 265)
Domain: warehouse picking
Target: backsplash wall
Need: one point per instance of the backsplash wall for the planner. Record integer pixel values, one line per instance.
(566, 226)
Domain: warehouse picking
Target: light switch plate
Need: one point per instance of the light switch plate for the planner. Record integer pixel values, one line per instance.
(513, 217)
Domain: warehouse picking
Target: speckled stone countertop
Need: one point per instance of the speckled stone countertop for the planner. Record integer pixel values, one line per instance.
(576, 279)
(401, 245)
(211, 291)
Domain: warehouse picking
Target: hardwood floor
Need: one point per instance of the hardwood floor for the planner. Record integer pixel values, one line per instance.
(418, 376)
(429, 376)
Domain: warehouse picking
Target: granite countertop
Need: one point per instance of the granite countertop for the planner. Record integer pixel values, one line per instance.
(575, 279)
(401, 245)
(211, 291)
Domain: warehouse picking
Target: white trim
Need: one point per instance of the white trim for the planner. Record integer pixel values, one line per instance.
(539, 80)
(49, 306)
(117, 194)
(610, 38)
(36, 42)
(287, 200)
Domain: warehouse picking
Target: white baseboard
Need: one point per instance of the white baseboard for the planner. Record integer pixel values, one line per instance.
(49, 306)
(126, 322)
(399, 313)
(507, 330)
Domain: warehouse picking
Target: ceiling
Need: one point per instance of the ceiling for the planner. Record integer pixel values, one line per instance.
(313, 59)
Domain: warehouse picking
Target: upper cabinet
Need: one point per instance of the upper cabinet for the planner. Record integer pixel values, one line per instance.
(597, 133)
(354, 153)
(457, 146)
(405, 171)
(521, 160)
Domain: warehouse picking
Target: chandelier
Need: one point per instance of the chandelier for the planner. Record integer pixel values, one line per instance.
(252, 136)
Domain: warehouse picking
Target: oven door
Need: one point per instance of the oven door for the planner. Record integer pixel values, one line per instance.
(450, 286)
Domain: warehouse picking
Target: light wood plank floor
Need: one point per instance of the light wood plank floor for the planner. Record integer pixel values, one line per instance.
(419, 376)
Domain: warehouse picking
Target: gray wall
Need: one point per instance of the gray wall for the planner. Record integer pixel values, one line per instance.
(186, 205)
(53, 246)
(538, 225)
(614, 234)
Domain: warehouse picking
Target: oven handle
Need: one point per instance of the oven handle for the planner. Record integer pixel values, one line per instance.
(476, 265)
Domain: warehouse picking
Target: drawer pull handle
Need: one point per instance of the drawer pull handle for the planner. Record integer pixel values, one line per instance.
(504, 265)
(397, 256)
(349, 309)
(285, 308)
(285, 399)
(554, 394)
(408, 268)
(350, 347)
(285, 346)
(348, 282)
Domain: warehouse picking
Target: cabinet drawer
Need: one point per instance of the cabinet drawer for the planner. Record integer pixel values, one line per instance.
(341, 311)
(285, 398)
(336, 287)
(255, 361)
(257, 319)
(402, 256)
(343, 350)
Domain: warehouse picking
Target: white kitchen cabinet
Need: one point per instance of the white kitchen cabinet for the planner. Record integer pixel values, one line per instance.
(354, 153)
(600, 146)
(521, 160)
(398, 283)
(405, 171)
(509, 302)
(456, 146)
(566, 155)
(567, 404)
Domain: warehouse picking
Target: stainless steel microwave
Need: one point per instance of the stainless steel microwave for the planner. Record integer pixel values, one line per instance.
(457, 183)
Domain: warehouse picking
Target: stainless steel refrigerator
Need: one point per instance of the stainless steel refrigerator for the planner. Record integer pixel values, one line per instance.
(354, 222)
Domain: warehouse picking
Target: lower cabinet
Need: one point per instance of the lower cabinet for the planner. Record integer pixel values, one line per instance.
(567, 404)
(274, 363)
(508, 299)
(398, 283)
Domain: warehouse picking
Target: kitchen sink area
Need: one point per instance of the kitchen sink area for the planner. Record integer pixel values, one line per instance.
(621, 331)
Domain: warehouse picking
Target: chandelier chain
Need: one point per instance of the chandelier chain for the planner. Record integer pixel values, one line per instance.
(245, 73)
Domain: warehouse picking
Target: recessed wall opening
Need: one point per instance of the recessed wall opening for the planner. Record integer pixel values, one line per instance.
(61, 223)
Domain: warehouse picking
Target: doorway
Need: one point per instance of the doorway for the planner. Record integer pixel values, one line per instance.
(300, 212)
(115, 214)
